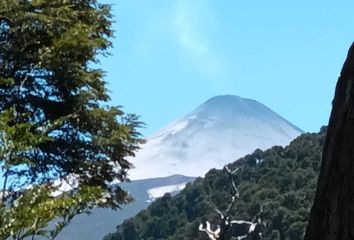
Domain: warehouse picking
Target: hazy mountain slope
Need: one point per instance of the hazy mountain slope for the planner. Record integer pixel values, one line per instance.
(219, 131)
(102, 221)
(282, 180)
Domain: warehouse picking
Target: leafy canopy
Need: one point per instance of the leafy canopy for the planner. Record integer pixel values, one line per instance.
(55, 122)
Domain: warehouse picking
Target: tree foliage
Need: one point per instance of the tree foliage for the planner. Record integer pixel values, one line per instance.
(282, 180)
(55, 122)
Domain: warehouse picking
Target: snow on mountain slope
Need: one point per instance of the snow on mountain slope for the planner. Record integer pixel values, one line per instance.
(219, 131)
(158, 192)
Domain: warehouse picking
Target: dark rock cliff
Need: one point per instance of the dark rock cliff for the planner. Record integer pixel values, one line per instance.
(332, 215)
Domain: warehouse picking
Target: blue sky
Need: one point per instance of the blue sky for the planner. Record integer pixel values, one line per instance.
(170, 56)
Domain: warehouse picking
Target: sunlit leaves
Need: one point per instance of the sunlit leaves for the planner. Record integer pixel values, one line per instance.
(35, 208)
(55, 122)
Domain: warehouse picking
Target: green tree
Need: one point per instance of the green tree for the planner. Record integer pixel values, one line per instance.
(56, 128)
(130, 232)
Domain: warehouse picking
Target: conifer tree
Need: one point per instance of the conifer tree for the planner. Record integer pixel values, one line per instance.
(61, 145)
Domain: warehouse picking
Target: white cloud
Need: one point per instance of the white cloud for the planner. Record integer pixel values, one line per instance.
(193, 30)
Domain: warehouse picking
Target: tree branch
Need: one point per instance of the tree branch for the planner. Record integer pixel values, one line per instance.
(229, 227)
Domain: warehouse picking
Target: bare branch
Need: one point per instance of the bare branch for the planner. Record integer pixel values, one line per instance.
(240, 229)
(236, 193)
(220, 213)
(213, 235)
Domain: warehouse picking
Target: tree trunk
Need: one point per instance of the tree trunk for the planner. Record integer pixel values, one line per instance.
(332, 215)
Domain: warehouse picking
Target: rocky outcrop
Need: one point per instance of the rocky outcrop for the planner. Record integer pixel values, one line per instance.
(332, 215)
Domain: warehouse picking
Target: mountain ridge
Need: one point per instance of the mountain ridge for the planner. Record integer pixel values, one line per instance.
(220, 130)
(230, 96)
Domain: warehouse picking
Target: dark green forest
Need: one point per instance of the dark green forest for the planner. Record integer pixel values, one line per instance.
(282, 180)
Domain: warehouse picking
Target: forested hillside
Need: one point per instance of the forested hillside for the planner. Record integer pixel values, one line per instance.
(282, 180)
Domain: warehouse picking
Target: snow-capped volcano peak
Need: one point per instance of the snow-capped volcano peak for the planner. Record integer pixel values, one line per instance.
(219, 131)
